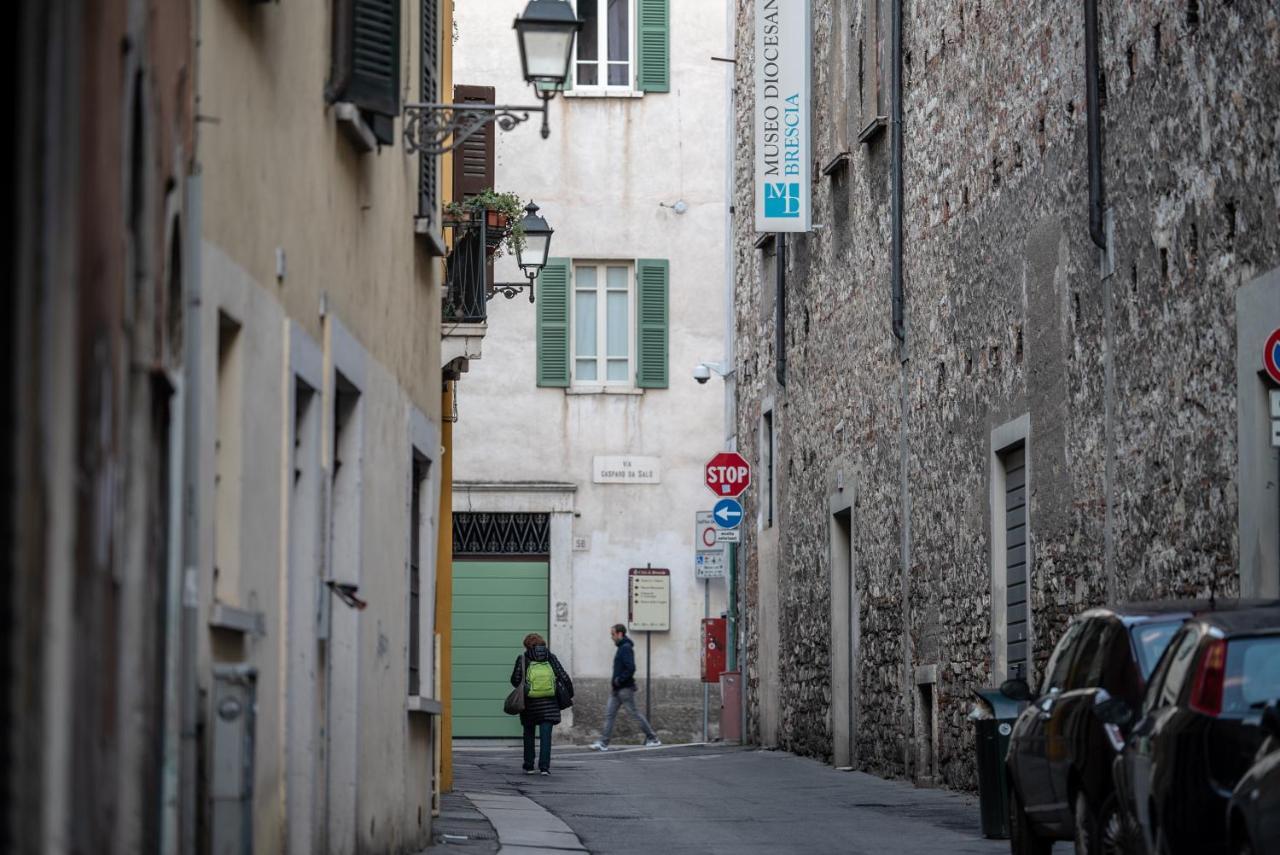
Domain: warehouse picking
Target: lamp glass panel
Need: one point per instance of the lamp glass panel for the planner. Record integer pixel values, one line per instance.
(534, 253)
(546, 53)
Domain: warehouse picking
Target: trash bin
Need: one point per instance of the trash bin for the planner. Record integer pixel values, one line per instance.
(993, 716)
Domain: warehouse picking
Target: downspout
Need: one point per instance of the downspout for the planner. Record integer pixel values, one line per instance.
(1093, 90)
(895, 174)
(900, 334)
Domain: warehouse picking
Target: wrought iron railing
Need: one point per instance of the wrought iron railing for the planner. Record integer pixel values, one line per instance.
(467, 275)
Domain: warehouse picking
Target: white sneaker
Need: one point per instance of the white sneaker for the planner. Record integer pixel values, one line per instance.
(652, 742)
(599, 746)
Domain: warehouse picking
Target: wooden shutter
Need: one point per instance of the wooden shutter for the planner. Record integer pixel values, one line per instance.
(872, 46)
(473, 160)
(652, 275)
(429, 88)
(375, 56)
(553, 323)
(653, 40)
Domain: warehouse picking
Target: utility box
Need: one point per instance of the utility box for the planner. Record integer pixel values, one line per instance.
(231, 772)
(714, 644)
(731, 706)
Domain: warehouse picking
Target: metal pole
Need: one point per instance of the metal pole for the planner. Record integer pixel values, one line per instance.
(706, 689)
(648, 659)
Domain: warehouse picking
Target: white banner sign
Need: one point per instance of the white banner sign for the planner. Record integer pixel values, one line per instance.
(783, 126)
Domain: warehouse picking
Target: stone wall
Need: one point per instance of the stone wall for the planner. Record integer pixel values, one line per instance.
(1128, 379)
(676, 707)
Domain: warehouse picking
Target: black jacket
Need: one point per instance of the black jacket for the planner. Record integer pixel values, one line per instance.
(542, 710)
(624, 665)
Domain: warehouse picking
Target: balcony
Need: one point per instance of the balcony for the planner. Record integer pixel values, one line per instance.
(468, 272)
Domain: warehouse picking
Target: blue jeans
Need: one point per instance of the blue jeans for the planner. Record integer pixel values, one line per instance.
(544, 753)
(624, 698)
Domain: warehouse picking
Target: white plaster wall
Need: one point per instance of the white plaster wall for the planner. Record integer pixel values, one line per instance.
(599, 180)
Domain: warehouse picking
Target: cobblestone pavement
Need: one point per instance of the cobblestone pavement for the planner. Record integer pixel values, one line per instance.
(725, 799)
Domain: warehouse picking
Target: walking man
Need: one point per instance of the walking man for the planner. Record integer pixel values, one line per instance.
(623, 691)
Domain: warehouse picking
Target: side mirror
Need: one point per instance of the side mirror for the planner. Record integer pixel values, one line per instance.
(1271, 719)
(1016, 689)
(1114, 711)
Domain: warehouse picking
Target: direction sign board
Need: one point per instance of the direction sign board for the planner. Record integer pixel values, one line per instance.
(727, 474)
(727, 513)
(709, 564)
(708, 555)
(648, 599)
(1271, 356)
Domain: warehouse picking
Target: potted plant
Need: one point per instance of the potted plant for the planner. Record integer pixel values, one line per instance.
(501, 214)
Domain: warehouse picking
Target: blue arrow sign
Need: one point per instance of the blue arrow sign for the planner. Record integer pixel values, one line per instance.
(727, 513)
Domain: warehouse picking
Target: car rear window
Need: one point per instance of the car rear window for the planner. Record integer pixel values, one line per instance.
(1253, 674)
(1150, 640)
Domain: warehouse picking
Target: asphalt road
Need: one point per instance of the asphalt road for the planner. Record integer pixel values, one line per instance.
(713, 799)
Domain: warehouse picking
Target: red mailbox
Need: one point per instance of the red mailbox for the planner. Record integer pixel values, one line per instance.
(714, 640)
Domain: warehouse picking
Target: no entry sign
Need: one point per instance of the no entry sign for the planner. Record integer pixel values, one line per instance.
(728, 474)
(1271, 356)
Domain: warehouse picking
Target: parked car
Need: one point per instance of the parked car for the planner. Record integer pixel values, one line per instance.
(1197, 731)
(1253, 816)
(1060, 753)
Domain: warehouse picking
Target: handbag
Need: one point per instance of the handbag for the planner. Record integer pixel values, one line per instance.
(514, 704)
(563, 696)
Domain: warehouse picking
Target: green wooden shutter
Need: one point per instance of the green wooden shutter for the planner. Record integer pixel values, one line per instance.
(553, 323)
(653, 39)
(652, 275)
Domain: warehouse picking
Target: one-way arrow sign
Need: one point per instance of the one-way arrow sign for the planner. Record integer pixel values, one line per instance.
(727, 513)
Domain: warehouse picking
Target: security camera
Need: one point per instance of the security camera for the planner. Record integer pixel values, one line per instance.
(701, 372)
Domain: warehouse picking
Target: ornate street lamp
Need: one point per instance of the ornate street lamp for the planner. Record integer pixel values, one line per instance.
(532, 257)
(545, 35)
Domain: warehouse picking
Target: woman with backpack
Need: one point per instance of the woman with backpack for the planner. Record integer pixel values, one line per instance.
(547, 690)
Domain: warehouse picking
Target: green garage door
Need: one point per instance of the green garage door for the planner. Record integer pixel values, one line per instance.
(495, 605)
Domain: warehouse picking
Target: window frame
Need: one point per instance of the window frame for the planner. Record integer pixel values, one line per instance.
(602, 54)
(601, 356)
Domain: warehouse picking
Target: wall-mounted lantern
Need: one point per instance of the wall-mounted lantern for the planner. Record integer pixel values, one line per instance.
(545, 35)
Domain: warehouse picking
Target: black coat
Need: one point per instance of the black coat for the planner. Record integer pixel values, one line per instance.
(542, 710)
(624, 665)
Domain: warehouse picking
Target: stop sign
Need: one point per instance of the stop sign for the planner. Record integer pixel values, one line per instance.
(728, 474)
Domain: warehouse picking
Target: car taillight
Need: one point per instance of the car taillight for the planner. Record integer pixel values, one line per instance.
(1206, 692)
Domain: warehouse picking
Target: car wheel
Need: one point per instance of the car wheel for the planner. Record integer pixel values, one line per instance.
(1086, 827)
(1112, 835)
(1023, 839)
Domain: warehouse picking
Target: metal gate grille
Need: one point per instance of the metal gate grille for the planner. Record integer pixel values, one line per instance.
(501, 534)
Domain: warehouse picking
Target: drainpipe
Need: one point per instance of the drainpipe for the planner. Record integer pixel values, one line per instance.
(895, 172)
(1093, 90)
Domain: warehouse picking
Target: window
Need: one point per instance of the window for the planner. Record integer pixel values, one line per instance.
(624, 45)
(418, 495)
(603, 323)
(871, 51)
(766, 466)
(228, 459)
(604, 44)
(365, 67)
(602, 312)
(1170, 674)
(1059, 666)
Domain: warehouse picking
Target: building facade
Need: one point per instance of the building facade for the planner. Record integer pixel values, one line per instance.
(318, 451)
(583, 432)
(1063, 403)
(223, 464)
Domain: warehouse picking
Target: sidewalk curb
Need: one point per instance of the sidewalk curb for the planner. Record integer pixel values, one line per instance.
(525, 827)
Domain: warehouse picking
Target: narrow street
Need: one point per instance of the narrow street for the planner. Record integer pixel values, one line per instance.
(707, 799)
